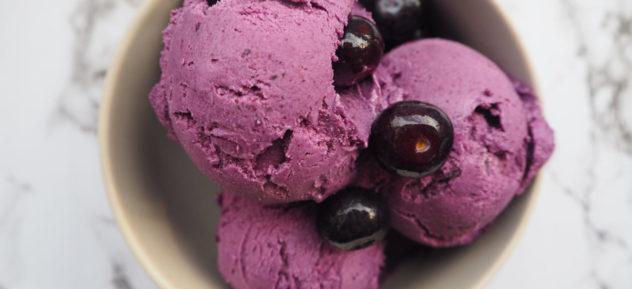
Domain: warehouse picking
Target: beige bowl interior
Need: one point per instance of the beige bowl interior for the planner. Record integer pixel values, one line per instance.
(166, 208)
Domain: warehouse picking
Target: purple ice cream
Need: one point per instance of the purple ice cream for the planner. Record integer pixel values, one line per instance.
(500, 141)
(247, 90)
(273, 247)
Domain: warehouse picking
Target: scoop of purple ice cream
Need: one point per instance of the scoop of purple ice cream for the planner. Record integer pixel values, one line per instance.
(273, 247)
(500, 141)
(247, 90)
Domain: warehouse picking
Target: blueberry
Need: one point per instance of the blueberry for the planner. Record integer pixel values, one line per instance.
(412, 138)
(399, 20)
(359, 53)
(353, 218)
(211, 2)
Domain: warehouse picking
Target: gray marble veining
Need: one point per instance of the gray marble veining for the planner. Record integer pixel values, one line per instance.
(120, 279)
(79, 101)
(608, 75)
(582, 221)
(595, 175)
(608, 78)
(16, 191)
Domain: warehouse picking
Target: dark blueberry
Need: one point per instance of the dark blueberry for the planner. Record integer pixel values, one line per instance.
(353, 218)
(211, 2)
(412, 138)
(399, 20)
(359, 53)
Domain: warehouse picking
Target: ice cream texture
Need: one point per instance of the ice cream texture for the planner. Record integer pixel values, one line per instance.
(247, 89)
(278, 246)
(500, 141)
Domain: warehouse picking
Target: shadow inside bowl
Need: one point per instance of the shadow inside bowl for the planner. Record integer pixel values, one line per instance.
(188, 196)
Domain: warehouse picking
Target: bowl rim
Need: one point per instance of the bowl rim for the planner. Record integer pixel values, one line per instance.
(113, 191)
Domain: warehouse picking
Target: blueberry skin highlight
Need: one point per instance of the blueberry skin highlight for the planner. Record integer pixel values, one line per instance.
(360, 51)
(353, 218)
(412, 139)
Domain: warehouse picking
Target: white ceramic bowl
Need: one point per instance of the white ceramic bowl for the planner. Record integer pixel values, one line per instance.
(166, 208)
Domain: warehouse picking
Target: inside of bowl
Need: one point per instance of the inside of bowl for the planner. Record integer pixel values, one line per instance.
(166, 207)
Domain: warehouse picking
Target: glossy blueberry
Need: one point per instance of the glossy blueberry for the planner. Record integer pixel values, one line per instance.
(359, 53)
(412, 138)
(399, 20)
(353, 218)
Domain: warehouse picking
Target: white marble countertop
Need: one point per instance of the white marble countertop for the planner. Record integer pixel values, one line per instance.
(56, 227)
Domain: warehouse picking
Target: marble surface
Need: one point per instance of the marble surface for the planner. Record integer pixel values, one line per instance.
(56, 227)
